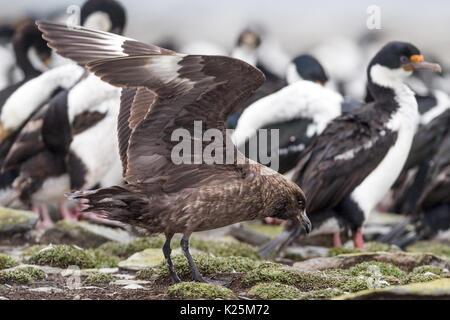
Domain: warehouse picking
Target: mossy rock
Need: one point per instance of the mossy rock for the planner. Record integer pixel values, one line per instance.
(373, 246)
(403, 260)
(269, 230)
(433, 269)
(7, 262)
(225, 249)
(196, 290)
(437, 289)
(336, 251)
(424, 277)
(206, 264)
(36, 273)
(145, 274)
(304, 281)
(103, 259)
(83, 234)
(99, 278)
(63, 256)
(124, 250)
(275, 291)
(144, 259)
(425, 246)
(23, 275)
(322, 294)
(16, 221)
(373, 268)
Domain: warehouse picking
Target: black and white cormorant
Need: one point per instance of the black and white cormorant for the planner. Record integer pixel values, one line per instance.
(299, 111)
(63, 145)
(348, 169)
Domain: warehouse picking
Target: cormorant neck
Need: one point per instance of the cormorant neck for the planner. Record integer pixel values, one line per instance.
(23, 60)
(292, 74)
(385, 83)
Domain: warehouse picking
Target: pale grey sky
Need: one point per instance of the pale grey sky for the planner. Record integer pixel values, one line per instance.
(296, 23)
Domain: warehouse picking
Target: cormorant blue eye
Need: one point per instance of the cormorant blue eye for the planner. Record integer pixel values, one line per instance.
(404, 59)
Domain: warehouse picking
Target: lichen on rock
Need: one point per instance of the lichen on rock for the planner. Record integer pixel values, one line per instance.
(197, 290)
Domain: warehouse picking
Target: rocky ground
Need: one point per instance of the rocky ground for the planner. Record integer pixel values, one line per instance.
(81, 260)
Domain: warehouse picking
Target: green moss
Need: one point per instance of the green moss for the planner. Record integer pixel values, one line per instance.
(376, 247)
(103, 259)
(145, 274)
(373, 269)
(322, 294)
(11, 217)
(436, 248)
(124, 250)
(98, 278)
(207, 265)
(225, 249)
(341, 250)
(353, 284)
(305, 281)
(425, 277)
(35, 273)
(15, 276)
(24, 275)
(275, 291)
(7, 262)
(196, 290)
(428, 268)
(63, 256)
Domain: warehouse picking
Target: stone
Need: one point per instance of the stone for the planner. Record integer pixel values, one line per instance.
(46, 290)
(437, 289)
(133, 286)
(83, 234)
(144, 259)
(85, 272)
(404, 260)
(125, 282)
(16, 222)
(305, 252)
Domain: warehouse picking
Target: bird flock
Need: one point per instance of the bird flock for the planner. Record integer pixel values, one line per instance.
(87, 118)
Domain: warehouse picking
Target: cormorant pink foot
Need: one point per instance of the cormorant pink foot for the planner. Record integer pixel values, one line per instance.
(337, 239)
(45, 222)
(358, 240)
